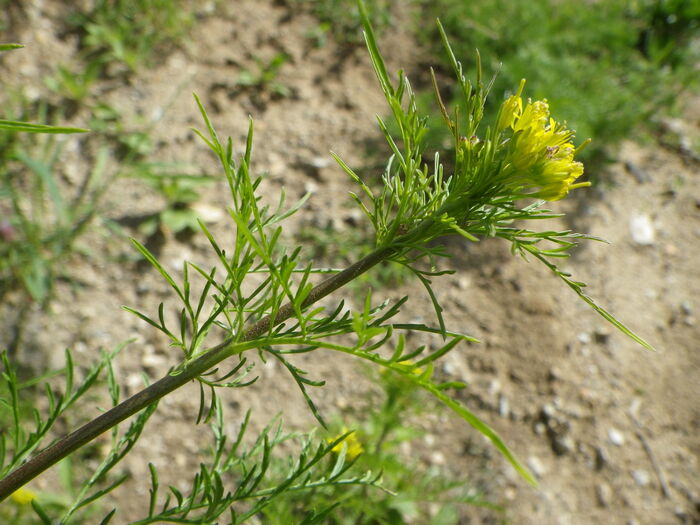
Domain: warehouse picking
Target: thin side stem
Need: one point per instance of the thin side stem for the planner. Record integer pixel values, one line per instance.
(151, 394)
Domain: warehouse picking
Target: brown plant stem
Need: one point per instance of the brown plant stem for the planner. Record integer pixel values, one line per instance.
(70, 443)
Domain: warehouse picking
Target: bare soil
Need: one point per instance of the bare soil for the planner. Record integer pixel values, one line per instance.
(610, 429)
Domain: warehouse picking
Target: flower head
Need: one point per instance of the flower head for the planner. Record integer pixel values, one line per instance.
(354, 446)
(540, 154)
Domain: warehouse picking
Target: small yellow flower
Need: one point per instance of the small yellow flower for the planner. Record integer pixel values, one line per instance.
(23, 496)
(354, 447)
(510, 109)
(540, 153)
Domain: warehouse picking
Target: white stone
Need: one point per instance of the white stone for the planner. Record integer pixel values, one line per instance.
(616, 437)
(642, 229)
(536, 466)
(209, 214)
(641, 477)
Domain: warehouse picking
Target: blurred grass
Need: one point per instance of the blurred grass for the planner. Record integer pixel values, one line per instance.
(607, 68)
(341, 19)
(386, 440)
(130, 32)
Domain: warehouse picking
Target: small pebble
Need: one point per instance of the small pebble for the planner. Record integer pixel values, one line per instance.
(536, 466)
(616, 437)
(603, 494)
(601, 334)
(448, 368)
(601, 458)
(180, 459)
(503, 406)
(640, 175)
(584, 338)
(320, 162)
(135, 381)
(152, 360)
(208, 214)
(642, 230)
(681, 514)
(562, 445)
(354, 217)
(671, 250)
(635, 404)
(641, 477)
(463, 283)
(437, 458)
(548, 411)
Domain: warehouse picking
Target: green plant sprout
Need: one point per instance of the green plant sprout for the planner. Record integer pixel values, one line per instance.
(74, 86)
(132, 145)
(260, 296)
(180, 191)
(264, 77)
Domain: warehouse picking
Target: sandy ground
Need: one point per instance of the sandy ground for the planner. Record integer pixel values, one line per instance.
(610, 430)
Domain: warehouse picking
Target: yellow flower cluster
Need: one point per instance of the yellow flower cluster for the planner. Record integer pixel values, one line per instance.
(354, 449)
(540, 153)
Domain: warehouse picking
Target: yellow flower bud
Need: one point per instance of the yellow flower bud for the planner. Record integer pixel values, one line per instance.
(23, 496)
(510, 110)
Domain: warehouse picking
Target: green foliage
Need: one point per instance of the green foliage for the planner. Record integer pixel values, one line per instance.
(9, 47)
(180, 191)
(125, 33)
(415, 488)
(264, 77)
(17, 415)
(130, 145)
(605, 67)
(337, 248)
(671, 31)
(28, 127)
(259, 477)
(342, 18)
(130, 32)
(39, 225)
(40, 221)
(74, 85)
